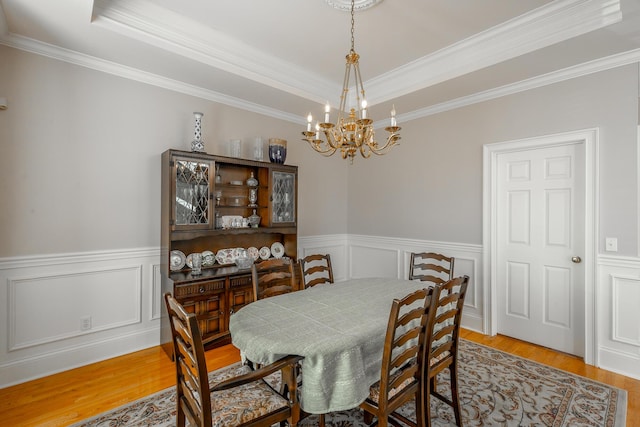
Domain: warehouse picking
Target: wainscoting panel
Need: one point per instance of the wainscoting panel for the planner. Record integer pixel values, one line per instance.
(70, 310)
(618, 317)
(624, 303)
(44, 299)
(372, 261)
(55, 307)
(334, 245)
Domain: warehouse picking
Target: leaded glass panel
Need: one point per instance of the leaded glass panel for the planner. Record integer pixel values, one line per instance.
(192, 192)
(284, 204)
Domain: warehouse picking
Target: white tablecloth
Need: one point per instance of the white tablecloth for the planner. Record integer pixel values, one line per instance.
(338, 328)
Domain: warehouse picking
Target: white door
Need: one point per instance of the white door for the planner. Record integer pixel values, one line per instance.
(540, 243)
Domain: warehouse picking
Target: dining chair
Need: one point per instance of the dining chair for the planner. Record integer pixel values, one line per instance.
(442, 339)
(402, 373)
(238, 395)
(431, 267)
(315, 269)
(273, 277)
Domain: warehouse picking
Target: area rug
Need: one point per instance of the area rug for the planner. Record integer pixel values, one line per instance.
(496, 389)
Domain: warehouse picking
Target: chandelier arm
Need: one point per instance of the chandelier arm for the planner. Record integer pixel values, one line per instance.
(318, 146)
(392, 140)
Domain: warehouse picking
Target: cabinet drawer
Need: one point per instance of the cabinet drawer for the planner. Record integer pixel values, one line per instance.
(240, 281)
(191, 290)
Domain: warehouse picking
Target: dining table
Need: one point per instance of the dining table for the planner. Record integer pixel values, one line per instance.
(338, 328)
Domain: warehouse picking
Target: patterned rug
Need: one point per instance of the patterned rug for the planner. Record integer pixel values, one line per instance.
(496, 389)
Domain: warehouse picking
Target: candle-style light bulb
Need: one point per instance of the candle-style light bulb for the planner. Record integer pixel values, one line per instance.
(364, 108)
(317, 130)
(327, 110)
(309, 120)
(393, 116)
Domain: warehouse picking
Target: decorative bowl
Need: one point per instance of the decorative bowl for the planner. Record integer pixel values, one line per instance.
(277, 150)
(254, 220)
(237, 200)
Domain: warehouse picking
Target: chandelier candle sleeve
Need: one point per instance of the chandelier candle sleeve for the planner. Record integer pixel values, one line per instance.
(327, 110)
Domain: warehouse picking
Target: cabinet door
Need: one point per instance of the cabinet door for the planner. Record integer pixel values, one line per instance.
(206, 300)
(191, 182)
(240, 292)
(283, 198)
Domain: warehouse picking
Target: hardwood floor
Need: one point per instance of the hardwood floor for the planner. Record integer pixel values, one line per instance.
(71, 396)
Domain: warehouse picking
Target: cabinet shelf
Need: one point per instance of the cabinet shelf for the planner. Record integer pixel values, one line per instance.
(240, 207)
(190, 235)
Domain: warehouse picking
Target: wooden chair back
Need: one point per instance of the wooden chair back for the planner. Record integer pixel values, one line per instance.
(315, 269)
(192, 383)
(442, 340)
(431, 267)
(273, 277)
(402, 373)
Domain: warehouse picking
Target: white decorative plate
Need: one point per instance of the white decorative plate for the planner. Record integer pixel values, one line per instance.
(208, 258)
(237, 253)
(253, 253)
(265, 253)
(277, 250)
(225, 256)
(176, 260)
(189, 261)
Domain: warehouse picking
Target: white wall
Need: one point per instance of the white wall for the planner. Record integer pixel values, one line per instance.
(80, 157)
(431, 186)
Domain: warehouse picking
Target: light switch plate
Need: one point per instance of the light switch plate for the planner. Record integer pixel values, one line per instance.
(611, 244)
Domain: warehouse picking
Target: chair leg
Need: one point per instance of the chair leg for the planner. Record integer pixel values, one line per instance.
(321, 420)
(455, 398)
(427, 403)
(368, 418)
(420, 421)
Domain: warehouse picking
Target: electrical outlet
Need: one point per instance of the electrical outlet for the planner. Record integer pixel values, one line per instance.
(611, 244)
(85, 323)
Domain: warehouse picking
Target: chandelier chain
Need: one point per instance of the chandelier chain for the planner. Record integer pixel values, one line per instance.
(353, 25)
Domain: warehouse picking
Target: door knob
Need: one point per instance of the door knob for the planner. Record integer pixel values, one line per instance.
(576, 259)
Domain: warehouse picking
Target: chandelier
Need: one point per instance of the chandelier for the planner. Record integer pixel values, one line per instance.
(354, 132)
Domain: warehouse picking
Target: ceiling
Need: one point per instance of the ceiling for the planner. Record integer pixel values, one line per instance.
(284, 58)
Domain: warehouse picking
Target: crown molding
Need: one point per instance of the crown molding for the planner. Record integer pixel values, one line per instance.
(109, 67)
(552, 23)
(39, 48)
(55, 52)
(542, 27)
(595, 66)
(146, 22)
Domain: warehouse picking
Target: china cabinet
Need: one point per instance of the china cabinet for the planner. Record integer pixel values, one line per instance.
(213, 205)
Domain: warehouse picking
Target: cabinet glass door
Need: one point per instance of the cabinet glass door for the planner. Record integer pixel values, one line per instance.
(283, 197)
(192, 203)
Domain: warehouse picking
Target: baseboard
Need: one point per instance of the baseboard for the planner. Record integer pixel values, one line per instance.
(72, 357)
